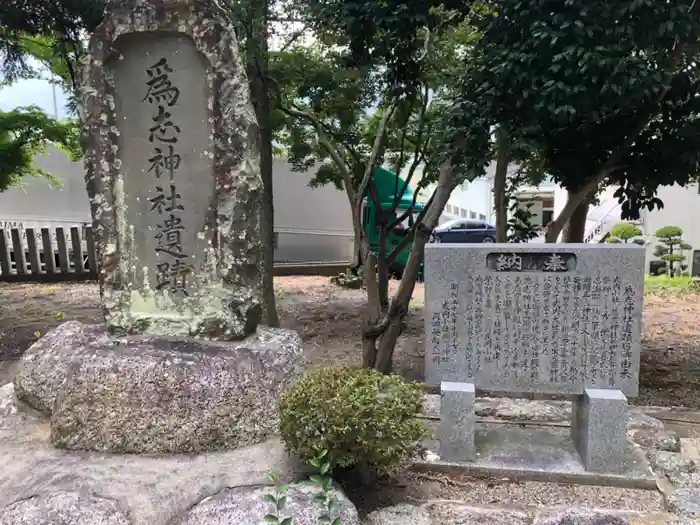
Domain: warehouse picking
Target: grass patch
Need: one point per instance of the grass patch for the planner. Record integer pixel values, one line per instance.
(663, 284)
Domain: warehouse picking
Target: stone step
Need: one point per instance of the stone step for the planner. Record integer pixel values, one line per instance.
(451, 513)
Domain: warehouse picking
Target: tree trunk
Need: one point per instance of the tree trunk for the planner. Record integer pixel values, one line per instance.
(499, 187)
(373, 310)
(383, 270)
(257, 48)
(394, 320)
(576, 227)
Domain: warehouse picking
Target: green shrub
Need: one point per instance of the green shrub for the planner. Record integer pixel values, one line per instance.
(366, 420)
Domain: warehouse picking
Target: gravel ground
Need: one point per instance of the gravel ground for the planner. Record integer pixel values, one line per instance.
(417, 488)
(328, 318)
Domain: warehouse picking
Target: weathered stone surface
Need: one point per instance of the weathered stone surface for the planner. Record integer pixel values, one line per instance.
(150, 490)
(158, 395)
(637, 420)
(685, 502)
(670, 464)
(580, 517)
(468, 515)
(529, 318)
(402, 514)
(13, 413)
(659, 440)
(686, 479)
(63, 508)
(172, 168)
(44, 366)
(598, 429)
(689, 448)
(508, 409)
(682, 521)
(245, 506)
(523, 409)
(455, 432)
(649, 432)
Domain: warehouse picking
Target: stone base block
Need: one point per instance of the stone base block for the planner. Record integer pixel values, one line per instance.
(155, 394)
(523, 453)
(598, 429)
(457, 421)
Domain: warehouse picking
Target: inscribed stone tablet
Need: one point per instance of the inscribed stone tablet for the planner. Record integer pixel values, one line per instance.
(164, 139)
(172, 171)
(554, 318)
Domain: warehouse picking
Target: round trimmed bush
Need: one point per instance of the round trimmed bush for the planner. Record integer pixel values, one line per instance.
(364, 419)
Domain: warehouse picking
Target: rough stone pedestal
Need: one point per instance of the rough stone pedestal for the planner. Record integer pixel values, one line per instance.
(457, 421)
(598, 429)
(150, 395)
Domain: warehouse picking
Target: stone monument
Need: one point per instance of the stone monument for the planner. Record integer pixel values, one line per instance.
(173, 172)
(174, 186)
(552, 319)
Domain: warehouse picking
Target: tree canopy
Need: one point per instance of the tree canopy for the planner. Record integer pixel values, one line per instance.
(25, 132)
(606, 93)
(61, 25)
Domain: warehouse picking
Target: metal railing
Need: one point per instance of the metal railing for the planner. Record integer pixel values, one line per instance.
(603, 226)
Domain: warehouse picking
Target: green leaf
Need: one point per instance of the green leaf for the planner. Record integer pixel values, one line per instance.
(336, 521)
(324, 519)
(325, 468)
(287, 521)
(318, 480)
(281, 502)
(269, 498)
(271, 518)
(328, 483)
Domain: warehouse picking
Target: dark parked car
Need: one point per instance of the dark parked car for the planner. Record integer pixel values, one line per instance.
(464, 230)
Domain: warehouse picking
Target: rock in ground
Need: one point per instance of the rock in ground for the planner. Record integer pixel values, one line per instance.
(402, 514)
(245, 506)
(149, 490)
(44, 366)
(671, 465)
(468, 515)
(685, 502)
(580, 517)
(155, 394)
(63, 508)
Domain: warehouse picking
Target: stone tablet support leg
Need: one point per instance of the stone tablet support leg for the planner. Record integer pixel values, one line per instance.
(598, 429)
(457, 419)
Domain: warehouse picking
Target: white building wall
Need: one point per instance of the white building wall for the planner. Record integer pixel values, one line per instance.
(471, 200)
(313, 224)
(37, 199)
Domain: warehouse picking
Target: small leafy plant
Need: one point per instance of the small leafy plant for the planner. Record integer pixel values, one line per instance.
(327, 498)
(367, 421)
(324, 479)
(278, 501)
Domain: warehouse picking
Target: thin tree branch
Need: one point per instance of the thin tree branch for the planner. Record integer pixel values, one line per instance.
(381, 130)
(296, 36)
(404, 242)
(324, 141)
